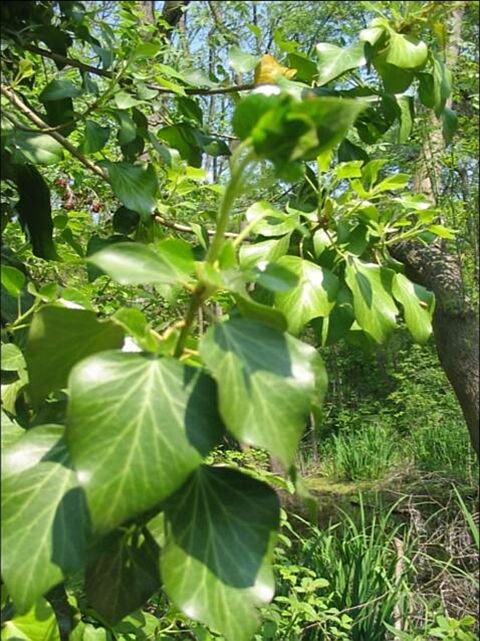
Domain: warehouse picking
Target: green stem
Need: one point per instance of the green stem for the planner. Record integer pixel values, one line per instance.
(231, 192)
(238, 166)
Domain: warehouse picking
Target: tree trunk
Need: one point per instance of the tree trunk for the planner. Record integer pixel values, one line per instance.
(455, 321)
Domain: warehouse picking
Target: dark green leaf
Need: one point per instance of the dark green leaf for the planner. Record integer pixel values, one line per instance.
(34, 210)
(44, 517)
(137, 427)
(449, 125)
(135, 186)
(182, 138)
(221, 527)
(124, 575)
(128, 129)
(348, 151)
(306, 69)
(125, 221)
(313, 296)
(58, 90)
(266, 383)
(58, 338)
(95, 137)
(136, 264)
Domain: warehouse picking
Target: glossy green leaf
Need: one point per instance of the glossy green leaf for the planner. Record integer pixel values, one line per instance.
(418, 306)
(350, 169)
(406, 52)
(266, 250)
(334, 61)
(124, 575)
(95, 137)
(44, 517)
(38, 624)
(442, 84)
(375, 310)
(11, 358)
(39, 149)
(135, 264)
(313, 296)
(135, 324)
(137, 427)
(266, 381)
(134, 185)
(221, 527)
(12, 279)
(58, 338)
(242, 62)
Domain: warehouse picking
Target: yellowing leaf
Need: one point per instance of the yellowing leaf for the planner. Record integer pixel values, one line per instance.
(268, 70)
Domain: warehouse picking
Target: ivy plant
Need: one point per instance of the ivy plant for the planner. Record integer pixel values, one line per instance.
(110, 419)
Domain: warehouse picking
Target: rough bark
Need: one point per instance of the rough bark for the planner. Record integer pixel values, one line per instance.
(455, 321)
(172, 13)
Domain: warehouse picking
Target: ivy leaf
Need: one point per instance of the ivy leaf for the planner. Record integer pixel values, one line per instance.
(39, 149)
(267, 250)
(124, 575)
(11, 358)
(335, 326)
(396, 181)
(313, 296)
(266, 381)
(95, 137)
(274, 276)
(58, 338)
(418, 306)
(38, 624)
(334, 61)
(375, 310)
(406, 52)
(45, 520)
(271, 221)
(242, 62)
(215, 565)
(137, 427)
(136, 264)
(134, 185)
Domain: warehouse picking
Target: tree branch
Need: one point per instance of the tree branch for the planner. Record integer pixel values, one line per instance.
(71, 62)
(43, 127)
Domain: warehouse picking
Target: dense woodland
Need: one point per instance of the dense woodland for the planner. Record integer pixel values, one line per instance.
(239, 320)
